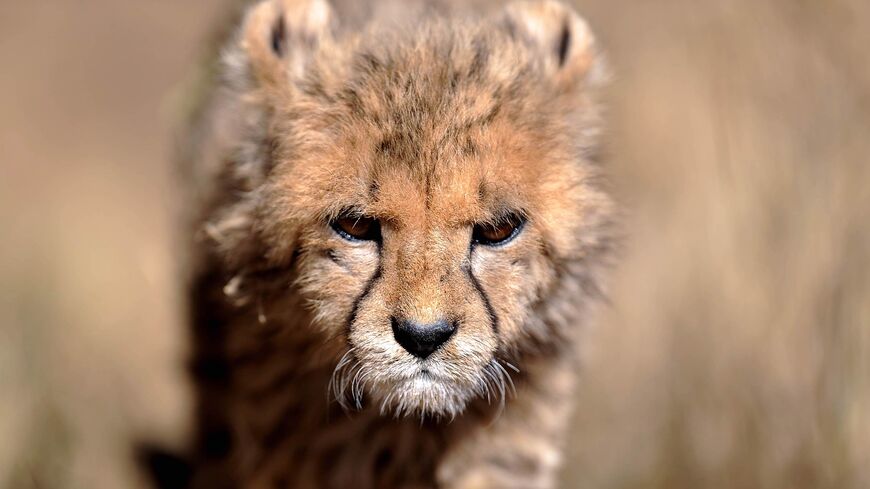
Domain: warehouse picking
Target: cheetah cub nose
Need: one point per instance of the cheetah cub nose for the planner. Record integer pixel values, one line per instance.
(419, 339)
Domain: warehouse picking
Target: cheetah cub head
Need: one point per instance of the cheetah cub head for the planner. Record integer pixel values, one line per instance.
(432, 187)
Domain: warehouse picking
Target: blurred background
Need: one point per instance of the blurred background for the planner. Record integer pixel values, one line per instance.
(735, 352)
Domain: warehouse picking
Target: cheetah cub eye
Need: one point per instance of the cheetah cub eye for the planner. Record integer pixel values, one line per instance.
(499, 233)
(357, 228)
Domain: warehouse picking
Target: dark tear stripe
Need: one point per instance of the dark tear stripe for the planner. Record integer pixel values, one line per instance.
(366, 290)
(493, 319)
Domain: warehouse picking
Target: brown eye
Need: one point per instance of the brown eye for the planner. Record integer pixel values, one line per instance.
(498, 233)
(357, 228)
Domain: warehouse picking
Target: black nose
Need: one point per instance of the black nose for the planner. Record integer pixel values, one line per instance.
(422, 339)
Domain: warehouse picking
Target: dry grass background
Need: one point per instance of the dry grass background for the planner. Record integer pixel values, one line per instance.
(736, 351)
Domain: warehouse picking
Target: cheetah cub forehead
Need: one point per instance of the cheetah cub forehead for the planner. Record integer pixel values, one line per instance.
(432, 186)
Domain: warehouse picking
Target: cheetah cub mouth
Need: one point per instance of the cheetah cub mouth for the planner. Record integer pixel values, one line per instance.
(431, 188)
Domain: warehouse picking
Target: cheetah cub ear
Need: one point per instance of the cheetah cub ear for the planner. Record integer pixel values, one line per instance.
(561, 36)
(279, 36)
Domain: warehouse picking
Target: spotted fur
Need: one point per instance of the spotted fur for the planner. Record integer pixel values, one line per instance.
(431, 128)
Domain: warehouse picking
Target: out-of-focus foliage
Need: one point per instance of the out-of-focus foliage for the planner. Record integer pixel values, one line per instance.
(736, 350)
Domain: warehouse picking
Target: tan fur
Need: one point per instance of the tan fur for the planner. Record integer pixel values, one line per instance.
(430, 130)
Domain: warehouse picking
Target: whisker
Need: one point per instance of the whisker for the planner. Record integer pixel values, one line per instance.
(338, 380)
(507, 376)
(510, 365)
(494, 375)
(356, 387)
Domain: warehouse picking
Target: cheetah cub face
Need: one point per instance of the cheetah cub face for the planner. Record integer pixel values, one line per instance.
(429, 186)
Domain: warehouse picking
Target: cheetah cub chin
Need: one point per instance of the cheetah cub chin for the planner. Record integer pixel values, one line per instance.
(397, 231)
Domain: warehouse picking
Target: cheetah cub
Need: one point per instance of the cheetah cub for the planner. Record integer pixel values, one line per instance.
(397, 231)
